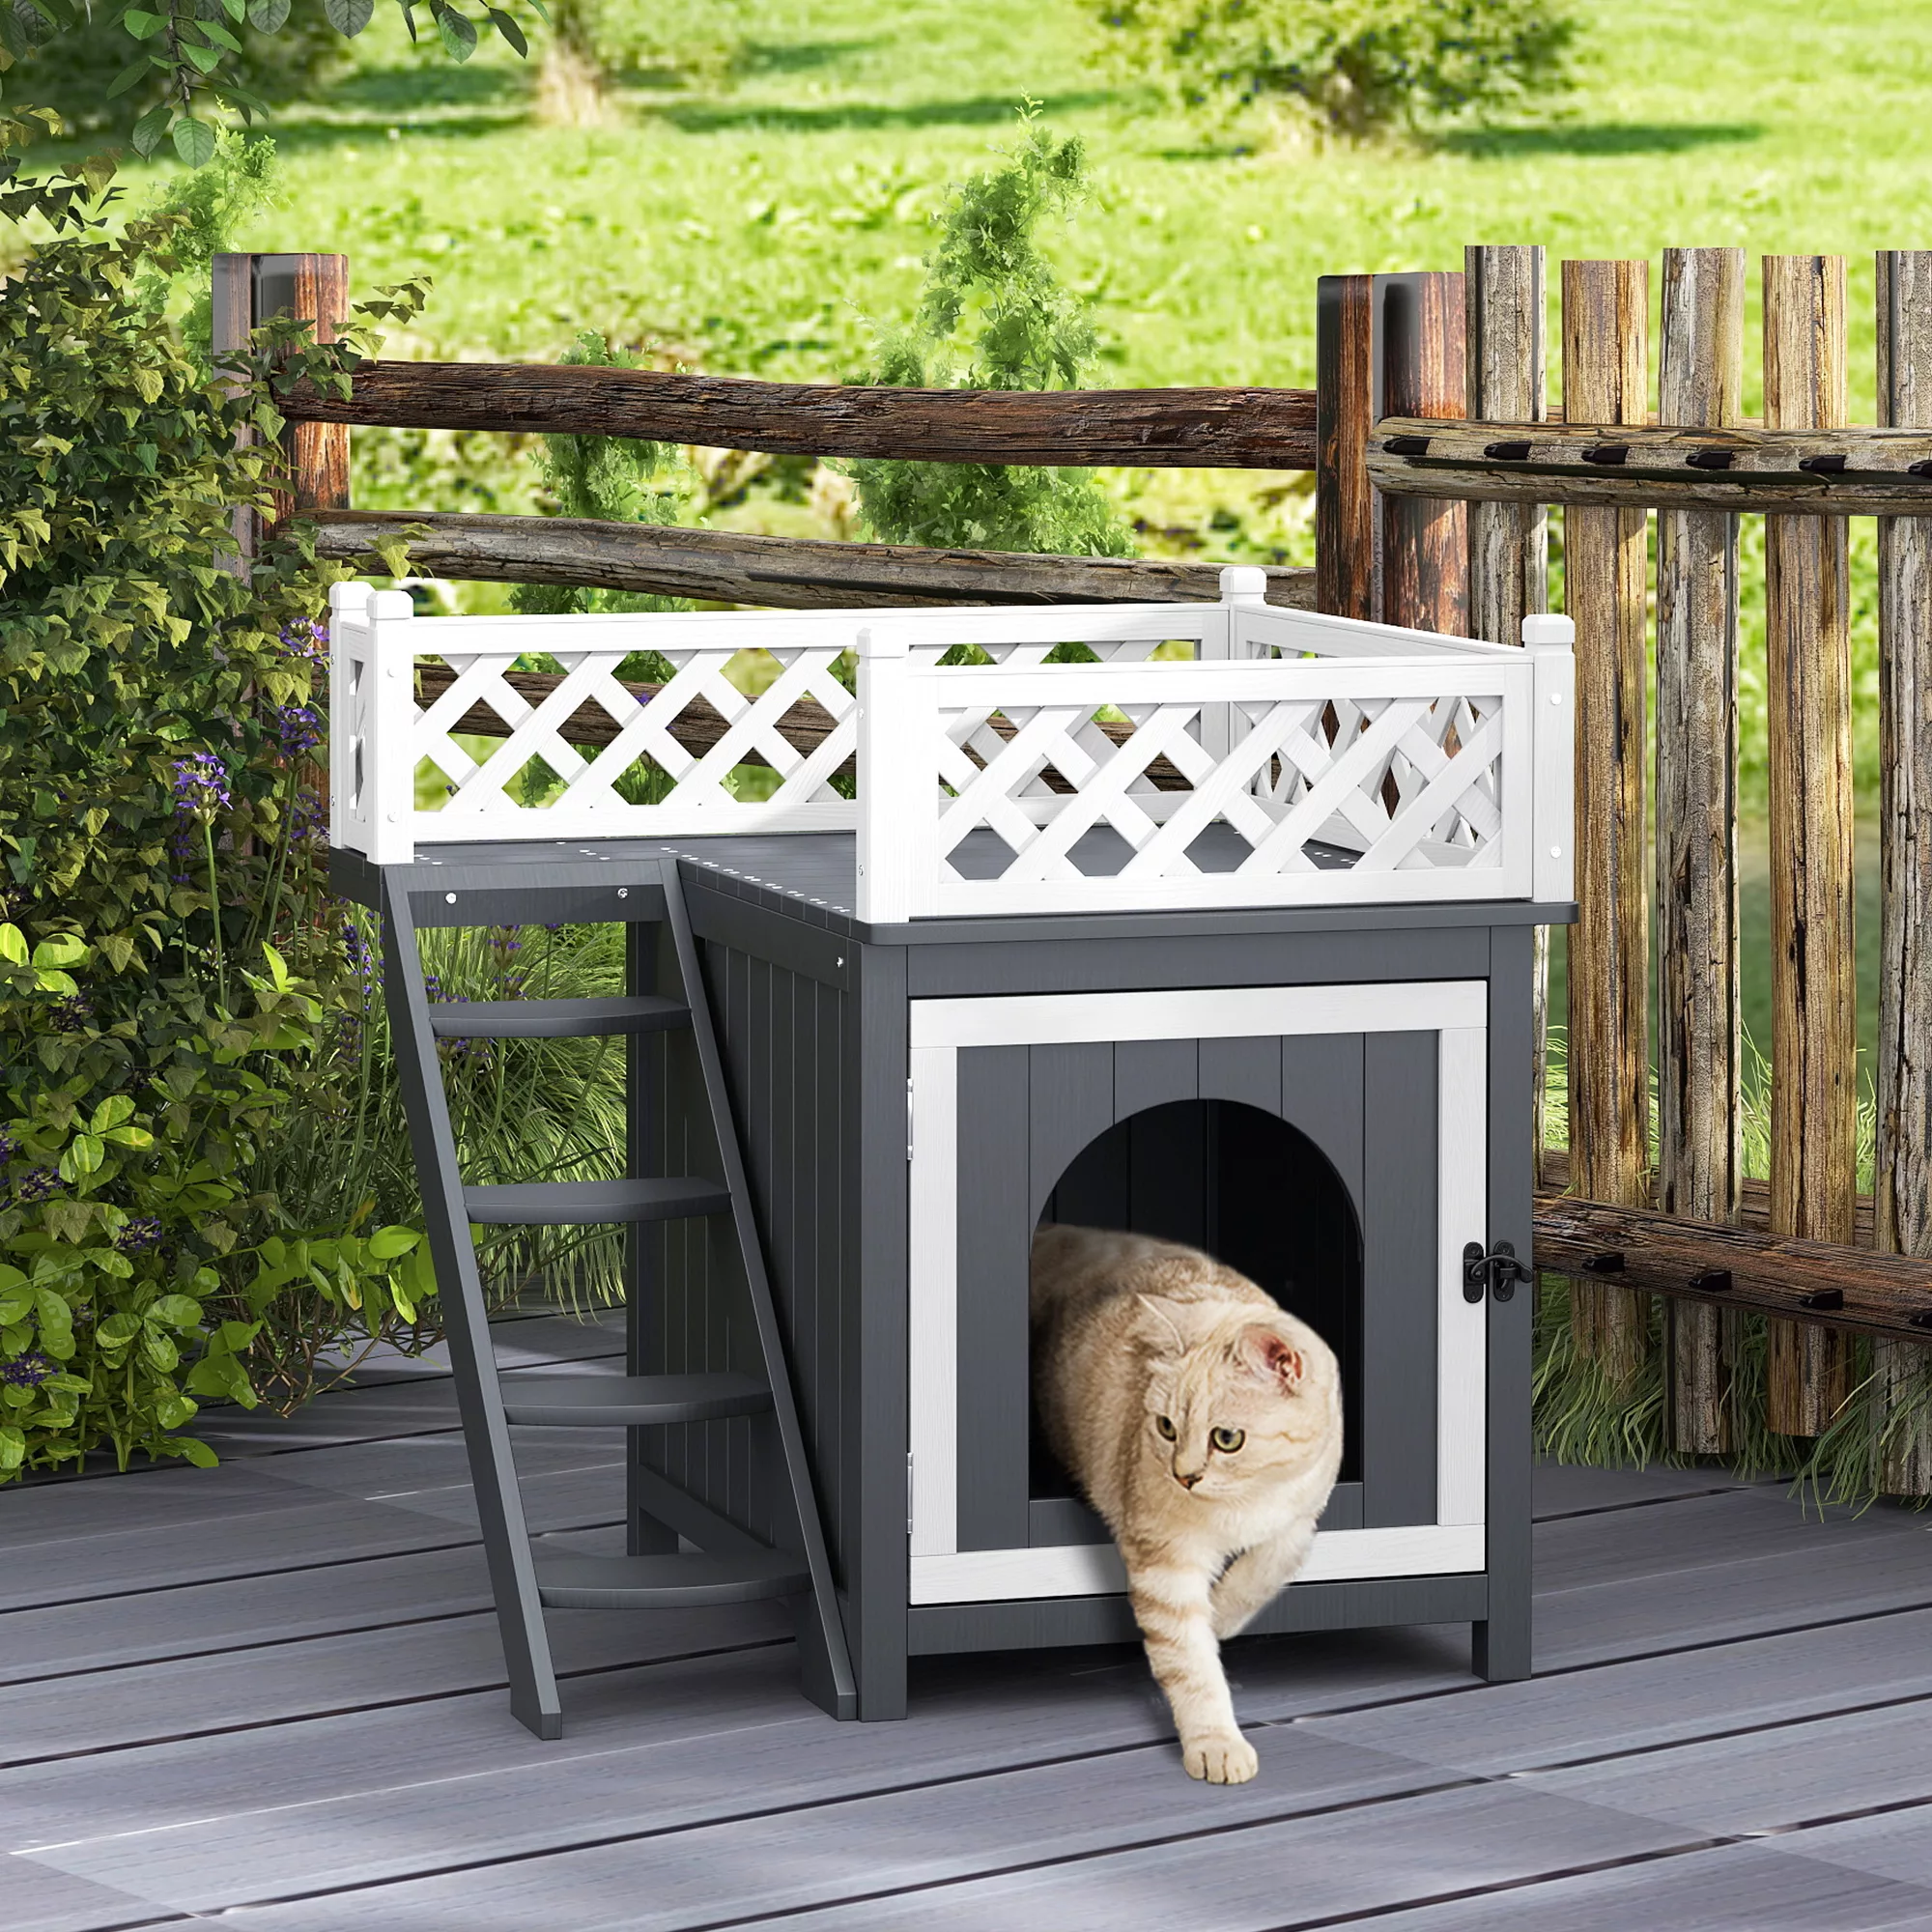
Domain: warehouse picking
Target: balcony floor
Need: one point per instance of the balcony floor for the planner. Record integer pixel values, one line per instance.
(269, 1693)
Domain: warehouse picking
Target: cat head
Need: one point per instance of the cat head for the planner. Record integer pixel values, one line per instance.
(1235, 1397)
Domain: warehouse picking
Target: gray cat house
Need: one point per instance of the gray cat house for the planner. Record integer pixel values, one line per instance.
(1222, 930)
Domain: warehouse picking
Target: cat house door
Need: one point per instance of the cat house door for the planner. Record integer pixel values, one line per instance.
(1092, 1106)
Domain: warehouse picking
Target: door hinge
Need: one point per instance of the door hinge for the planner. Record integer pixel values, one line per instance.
(1494, 1273)
(908, 1120)
(908, 1492)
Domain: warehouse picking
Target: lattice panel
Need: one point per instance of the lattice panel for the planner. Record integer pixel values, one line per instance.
(691, 776)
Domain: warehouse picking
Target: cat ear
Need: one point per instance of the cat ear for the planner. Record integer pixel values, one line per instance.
(1268, 1353)
(1158, 1329)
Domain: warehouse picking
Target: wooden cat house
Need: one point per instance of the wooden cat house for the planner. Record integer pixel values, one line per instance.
(1221, 929)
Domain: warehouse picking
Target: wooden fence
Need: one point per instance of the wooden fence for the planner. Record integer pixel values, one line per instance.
(1436, 458)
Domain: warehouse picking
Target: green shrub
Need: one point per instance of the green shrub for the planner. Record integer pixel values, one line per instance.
(992, 296)
(1353, 65)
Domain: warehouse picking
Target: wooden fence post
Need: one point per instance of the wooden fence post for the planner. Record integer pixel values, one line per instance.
(1699, 1155)
(250, 289)
(1606, 380)
(1814, 1039)
(1420, 369)
(1902, 1182)
(1345, 503)
(1508, 543)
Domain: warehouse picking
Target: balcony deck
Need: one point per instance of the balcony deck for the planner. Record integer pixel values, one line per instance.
(270, 1694)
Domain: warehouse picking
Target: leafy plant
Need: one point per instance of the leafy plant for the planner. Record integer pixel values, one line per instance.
(1356, 66)
(203, 56)
(993, 297)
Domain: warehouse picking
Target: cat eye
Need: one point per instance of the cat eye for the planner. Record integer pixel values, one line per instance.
(1228, 1440)
(1165, 1424)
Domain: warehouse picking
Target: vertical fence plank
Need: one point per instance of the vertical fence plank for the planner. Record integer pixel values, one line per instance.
(1508, 543)
(1425, 540)
(1902, 1187)
(1345, 503)
(1698, 1171)
(1814, 1040)
(1605, 380)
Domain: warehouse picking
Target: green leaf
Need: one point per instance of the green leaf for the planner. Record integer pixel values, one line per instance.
(83, 1155)
(63, 949)
(207, 60)
(236, 9)
(110, 1113)
(118, 1331)
(13, 1448)
(194, 140)
(386, 1244)
(510, 31)
(134, 1137)
(268, 17)
(13, 944)
(178, 1311)
(150, 128)
(458, 32)
(160, 1349)
(134, 71)
(142, 24)
(197, 1453)
(347, 16)
(219, 35)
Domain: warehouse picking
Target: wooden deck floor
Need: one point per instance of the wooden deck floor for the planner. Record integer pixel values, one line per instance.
(267, 1694)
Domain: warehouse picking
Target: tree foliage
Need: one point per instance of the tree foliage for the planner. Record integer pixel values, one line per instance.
(1354, 66)
(995, 315)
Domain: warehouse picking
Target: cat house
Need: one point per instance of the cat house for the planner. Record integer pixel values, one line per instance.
(1208, 920)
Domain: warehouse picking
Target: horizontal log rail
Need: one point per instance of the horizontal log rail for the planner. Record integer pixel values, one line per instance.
(792, 573)
(697, 728)
(1849, 472)
(1735, 1268)
(1753, 1207)
(1237, 429)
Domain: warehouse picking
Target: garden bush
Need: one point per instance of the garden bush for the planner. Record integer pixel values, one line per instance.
(1355, 66)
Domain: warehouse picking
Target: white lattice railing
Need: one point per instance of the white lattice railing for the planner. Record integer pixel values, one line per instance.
(1291, 760)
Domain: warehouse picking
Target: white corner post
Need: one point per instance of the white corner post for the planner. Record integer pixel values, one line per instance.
(1243, 589)
(1550, 641)
(388, 733)
(893, 804)
(348, 702)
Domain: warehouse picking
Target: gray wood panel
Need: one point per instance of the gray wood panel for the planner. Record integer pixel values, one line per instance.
(1069, 1102)
(39, 1898)
(1398, 1243)
(1152, 1072)
(995, 1404)
(1560, 1490)
(1729, 1889)
(1243, 1070)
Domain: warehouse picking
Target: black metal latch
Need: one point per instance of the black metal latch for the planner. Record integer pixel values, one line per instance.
(1497, 1272)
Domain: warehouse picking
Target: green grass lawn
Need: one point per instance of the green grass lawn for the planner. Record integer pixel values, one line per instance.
(757, 226)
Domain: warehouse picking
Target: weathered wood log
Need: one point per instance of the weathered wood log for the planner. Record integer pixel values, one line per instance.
(1699, 1156)
(1240, 429)
(1606, 375)
(697, 728)
(1753, 1198)
(1508, 543)
(792, 573)
(1818, 1286)
(1839, 471)
(1904, 1082)
(1425, 545)
(1345, 505)
(1814, 1037)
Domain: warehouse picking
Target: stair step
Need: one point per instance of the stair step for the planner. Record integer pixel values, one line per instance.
(556, 1019)
(556, 1204)
(590, 1400)
(683, 1582)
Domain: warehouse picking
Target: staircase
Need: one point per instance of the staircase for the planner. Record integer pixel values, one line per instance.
(727, 1564)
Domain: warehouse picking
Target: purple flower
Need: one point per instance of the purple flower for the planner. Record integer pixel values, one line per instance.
(10, 1148)
(201, 786)
(305, 639)
(38, 1183)
(72, 1014)
(28, 1370)
(297, 727)
(142, 1230)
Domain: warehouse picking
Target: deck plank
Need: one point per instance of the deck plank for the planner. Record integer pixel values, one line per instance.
(1560, 1490)
(35, 1897)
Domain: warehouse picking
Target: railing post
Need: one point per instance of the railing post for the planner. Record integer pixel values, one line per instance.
(1902, 1184)
(896, 789)
(1699, 1156)
(1344, 393)
(388, 734)
(1605, 380)
(1814, 1037)
(1420, 371)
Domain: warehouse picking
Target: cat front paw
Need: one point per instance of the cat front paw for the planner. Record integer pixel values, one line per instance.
(1220, 1758)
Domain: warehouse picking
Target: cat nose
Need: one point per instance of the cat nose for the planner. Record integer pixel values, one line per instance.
(1187, 1482)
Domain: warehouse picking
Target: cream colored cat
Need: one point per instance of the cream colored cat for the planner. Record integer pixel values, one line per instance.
(1204, 1422)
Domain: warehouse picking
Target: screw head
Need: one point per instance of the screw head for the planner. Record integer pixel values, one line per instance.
(449, 899)
(1557, 851)
(623, 891)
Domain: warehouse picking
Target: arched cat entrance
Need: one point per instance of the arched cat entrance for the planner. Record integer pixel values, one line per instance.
(1251, 1189)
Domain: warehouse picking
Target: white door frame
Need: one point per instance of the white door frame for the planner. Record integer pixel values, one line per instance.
(1456, 1010)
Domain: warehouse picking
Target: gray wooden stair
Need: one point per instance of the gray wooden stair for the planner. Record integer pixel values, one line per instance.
(683, 1551)
(595, 1401)
(556, 1019)
(567, 1204)
(688, 1581)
